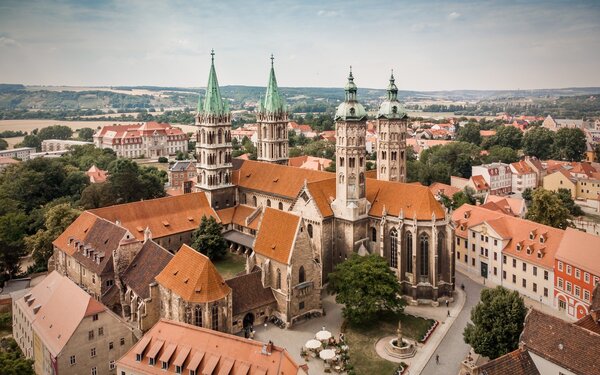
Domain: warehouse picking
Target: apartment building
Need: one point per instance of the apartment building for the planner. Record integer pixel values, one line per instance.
(497, 175)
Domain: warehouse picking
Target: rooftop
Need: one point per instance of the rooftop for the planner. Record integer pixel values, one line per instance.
(581, 250)
(276, 235)
(147, 264)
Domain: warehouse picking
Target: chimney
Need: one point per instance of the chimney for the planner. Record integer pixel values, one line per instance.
(147, 234)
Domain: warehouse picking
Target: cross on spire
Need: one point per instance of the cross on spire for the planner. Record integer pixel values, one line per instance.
(272, 58)
(212, 55)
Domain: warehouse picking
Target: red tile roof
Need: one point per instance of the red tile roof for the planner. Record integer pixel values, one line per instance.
(276, 235)
(518, 362)
(581, 250)
(447, 190)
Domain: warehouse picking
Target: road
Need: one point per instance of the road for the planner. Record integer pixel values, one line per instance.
(452, 350)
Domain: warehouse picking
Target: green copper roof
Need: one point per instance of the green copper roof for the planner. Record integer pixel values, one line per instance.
(273, 102)
(391, 108)
(350, 109)
(213, 102)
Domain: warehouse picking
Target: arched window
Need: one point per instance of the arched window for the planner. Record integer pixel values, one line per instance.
(440, 252)
(309, 228)
(394, 248)
(243, 198)
(409, 252)
(424, 243)
(254, 200)
(198, 315)
(301, 275)
(281, 206)
(278, 283)
(373, 234)
(215, 317)
(268, 203)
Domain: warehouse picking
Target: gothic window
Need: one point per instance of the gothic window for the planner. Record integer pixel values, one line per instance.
(215, 317)
(264, 132)
(424, 247)
(401, 155)
(278, 282)
(254, 201)
(360, 161)
(198, 315)
(220, 136)
(309, 229)
(268, 203)
(341, 178)
(394, 155)
(383, 155)
(361, 178)
(440, 252)
(341, 162)
(373, 234)
(351, 162)
(301, 275)
(281, 206)
(409, 252)
(394, 248)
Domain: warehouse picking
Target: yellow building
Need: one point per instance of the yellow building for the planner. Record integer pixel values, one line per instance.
(561, 179)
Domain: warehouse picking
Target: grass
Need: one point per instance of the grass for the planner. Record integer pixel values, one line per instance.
(362, 339)
(231, 265)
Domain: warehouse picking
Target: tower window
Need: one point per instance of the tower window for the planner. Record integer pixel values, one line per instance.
(301, 275)
(351, 162)
(309, 229)
(341, 162)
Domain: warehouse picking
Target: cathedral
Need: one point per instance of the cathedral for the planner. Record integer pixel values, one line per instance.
(293, 225)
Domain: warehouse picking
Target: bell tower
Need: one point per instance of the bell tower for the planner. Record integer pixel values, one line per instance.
(213, 145)
(272, 118)
(392, 121)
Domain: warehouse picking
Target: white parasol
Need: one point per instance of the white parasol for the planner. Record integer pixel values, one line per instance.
(327, 354)
(313, 344)
(323, 335)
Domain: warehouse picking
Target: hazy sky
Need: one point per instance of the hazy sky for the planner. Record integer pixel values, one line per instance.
(431, 45)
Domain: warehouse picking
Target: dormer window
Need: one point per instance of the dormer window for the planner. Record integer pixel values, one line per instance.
(528, 250)
(138, 357)
(542, 239)
(151, 361)
(518, 247)
(540, 255)
(531, 235)
(165, 365)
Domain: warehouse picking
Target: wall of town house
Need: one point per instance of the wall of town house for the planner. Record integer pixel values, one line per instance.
(21, 327)
(93, 283)
(545, 287)
(576, 305)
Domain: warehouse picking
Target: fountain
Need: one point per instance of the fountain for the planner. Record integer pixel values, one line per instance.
(399, 347)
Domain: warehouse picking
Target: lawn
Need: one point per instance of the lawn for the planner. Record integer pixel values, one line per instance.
(231, 265)
(361, 340)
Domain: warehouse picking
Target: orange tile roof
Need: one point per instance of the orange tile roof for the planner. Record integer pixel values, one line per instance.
(164, 216)
(276, 179)
(309, 162)
(581, 250)
(276, 235)
(516, 206)
(193, 277)
(410, 199)
(238, 215)
(96, 174)
(447, 190)
(487, 133)
(480, 183)
(323, 193)
(229, 354)
(514, 229)
(522, 167)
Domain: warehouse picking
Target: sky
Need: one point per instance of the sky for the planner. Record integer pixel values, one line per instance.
(430, 45)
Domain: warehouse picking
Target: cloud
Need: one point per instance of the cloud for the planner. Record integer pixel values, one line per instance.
(327, 13)
(8, 42)
(454, 16)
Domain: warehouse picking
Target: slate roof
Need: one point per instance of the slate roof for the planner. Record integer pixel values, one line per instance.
(147, 264)
(518, 362)
(180, 166)
(248, 293)
(568, 345)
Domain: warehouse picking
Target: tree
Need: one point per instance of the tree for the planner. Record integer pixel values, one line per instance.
(31, 140)
(86, 134)
(55, 132)
(208, 239)
(96, 196)
(569, 203)
(538, 142)
(366, 286)
(548, 209)
(501, 154)
(507, 136)
(13, 227)
(497, 322)
(12, 361)
(123, 179)
(527, 195)
(569, 144)
(470, 133)
(465, 196)
(3, 144)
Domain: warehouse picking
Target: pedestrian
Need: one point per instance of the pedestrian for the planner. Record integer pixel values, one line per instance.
(448, 313)
(437, 359)
(446, 303)
(252, 335)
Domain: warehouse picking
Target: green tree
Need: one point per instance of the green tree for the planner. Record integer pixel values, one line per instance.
(569, 203)
(208, 239)
(85, 134)
(12, 361)
(31, 140)
(55, 132)
(548, 209)
(96, 196)
(366, 286)
(3, 144)
(507, 136)
(527, 195)
(469, 133)
(569, 144)
(497, 322)
(538, 142)
(13, 227)
(465, 196)
(124, 182)
(501, 154)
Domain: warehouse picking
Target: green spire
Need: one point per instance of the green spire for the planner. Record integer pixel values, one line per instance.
(213, 102)
(273, 102)
(392, 89)
(350, 87)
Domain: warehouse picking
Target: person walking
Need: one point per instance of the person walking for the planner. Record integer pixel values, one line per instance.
(448, 313)
(437, 359)
(447, 303)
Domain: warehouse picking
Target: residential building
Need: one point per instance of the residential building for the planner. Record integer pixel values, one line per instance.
(21, 153)
(536, 165)
(508, 205)
(96, 175)
(5, 162)
(523, 177)
(179, 348)
(477, 183)
(497, 175)
(182, 176)
(555, 124)
(49, 145)
(149, 140)
(64, 330)
(310, 162)
(577, 272)
(582, 185)
(505, 250)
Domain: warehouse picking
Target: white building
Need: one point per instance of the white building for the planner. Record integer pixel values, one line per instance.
(497, 175)
(22, 153)
(149, 140)
(61, 144)
(523, 177)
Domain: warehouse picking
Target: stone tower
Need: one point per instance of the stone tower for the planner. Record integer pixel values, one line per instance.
(392, 121)
(272, 120)
(213, 145)
(350, 206)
